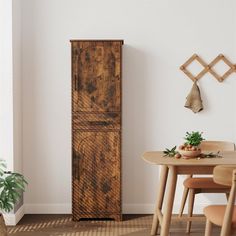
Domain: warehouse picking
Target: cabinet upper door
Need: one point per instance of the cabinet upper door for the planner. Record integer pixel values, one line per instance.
(96, 76)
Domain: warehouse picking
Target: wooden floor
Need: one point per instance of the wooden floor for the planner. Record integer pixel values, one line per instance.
(62, 225)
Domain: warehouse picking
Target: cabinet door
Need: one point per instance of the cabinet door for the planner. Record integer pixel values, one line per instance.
(96, 76)
(96, 172)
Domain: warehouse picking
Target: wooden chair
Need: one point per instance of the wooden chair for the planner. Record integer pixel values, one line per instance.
(220, 215)
(195, 185)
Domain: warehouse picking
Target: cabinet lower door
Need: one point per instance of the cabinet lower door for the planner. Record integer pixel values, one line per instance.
(96, 175)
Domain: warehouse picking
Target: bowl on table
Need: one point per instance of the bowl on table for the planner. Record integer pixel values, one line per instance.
(189, 154)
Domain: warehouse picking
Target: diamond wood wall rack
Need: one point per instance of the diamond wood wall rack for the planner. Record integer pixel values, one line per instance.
(208, 67)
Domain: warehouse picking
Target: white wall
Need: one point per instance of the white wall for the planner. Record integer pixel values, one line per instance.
(234, 54)
(10, 92)
(10, 83)
(159, 36)
(17, 83)
(6, 83)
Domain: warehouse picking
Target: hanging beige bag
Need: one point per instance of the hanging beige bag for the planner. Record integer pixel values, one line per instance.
(194, 101)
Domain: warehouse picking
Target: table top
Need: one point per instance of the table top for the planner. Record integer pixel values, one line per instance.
(156, 158)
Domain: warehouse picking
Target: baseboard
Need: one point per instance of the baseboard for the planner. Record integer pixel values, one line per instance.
(126, 209)
(149, 208)
(138, 208)
(47, 208)
(12, 219)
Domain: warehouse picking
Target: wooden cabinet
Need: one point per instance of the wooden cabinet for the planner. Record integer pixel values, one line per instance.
(96, 128)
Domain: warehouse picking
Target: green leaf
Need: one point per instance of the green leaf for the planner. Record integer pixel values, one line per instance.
(12, 185)
(194, 138)
(170, 152)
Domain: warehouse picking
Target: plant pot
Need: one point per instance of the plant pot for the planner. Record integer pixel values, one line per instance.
(3, 228)
(189, 154)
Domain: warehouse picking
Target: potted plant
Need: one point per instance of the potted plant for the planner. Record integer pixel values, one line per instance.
(12, 185)
(191, 147)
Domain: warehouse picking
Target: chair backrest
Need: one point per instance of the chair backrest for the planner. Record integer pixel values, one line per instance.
(227, 175)
(222, 174)
(217, 146)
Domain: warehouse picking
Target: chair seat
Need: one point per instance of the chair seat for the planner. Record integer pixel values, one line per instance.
(215, 213)
(202, 183)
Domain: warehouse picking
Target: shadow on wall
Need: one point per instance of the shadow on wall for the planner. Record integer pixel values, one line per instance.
(134, 169)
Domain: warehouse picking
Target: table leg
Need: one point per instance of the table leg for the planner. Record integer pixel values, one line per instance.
(160, 196)
(170, 200)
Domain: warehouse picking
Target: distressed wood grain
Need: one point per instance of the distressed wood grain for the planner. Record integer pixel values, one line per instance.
(96, 129)
(96, 76)
(96, 173)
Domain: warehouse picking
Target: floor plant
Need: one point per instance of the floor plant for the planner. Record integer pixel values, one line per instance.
(12, 186)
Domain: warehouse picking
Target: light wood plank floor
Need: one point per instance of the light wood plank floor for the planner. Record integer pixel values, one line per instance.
(62, 225)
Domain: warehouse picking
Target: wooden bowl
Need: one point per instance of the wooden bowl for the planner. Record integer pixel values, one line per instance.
(189, 154)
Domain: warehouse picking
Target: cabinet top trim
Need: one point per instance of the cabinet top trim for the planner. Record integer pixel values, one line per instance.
(97, 40)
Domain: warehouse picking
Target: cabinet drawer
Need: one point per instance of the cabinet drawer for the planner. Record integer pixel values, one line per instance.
(96, 121)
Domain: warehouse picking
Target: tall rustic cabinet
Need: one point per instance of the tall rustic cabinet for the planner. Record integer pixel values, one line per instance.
(96, 128)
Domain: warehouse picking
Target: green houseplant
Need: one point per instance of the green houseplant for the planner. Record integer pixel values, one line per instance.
(12, 185)
(191, 146)
(193, 139)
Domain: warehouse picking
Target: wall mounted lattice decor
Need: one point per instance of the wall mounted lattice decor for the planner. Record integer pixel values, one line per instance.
(208, 67)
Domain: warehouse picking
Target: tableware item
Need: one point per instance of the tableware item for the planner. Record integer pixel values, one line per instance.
(189, 154)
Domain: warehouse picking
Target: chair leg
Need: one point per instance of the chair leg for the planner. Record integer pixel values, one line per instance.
(227, 196)
(208, 228)
(183, 201)
(190, 208)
